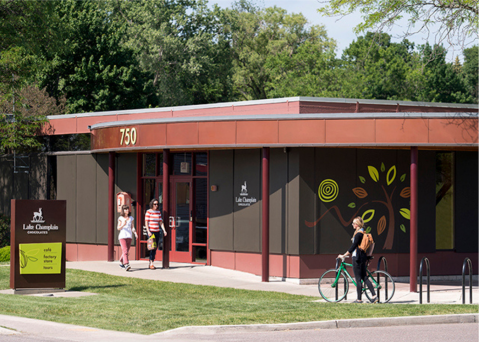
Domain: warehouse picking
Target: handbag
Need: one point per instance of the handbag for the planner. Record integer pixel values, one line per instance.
(151, 243)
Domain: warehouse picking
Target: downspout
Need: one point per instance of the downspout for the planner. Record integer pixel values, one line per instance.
(265, 217)
(111, 204)
(166, 202)
(413, 222)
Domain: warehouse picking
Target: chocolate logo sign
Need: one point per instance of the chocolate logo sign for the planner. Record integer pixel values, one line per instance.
(38, 244)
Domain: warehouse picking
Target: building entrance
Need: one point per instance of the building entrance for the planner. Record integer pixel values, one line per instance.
(187, 210)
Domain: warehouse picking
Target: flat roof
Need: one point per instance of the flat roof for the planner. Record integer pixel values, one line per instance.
(472, 107)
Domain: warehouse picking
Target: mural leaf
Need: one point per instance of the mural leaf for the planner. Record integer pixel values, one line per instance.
(390, 178)
(368, 230)
(362, 179)
(369, 212)
(403, 228)
(406, 192)
(360, 192)
(405, 213)
(403, 177)
(381, 225)
(352, 205)
(373, 172)
(383, 168)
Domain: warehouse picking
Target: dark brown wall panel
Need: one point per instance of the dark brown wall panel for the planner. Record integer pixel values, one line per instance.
(247, 219)
(102, 198)
(66, 182)
(307, 199)
(125, 179)
(293, 195)
(86, 199)
(335, 177)
(278, 172)
(426, 217)
(466, 220)
(221, 201)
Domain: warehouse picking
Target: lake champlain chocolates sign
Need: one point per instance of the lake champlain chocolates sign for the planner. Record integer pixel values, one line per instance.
(38, 241)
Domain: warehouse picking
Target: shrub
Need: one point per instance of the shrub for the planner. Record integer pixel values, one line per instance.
(5, 254)
(4, 231)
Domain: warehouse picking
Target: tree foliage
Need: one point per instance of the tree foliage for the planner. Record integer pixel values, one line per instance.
(449, 21)
(180, 45)
(268, 47)
(79, 56)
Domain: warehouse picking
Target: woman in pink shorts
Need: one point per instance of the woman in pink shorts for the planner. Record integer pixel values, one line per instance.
(125, 226)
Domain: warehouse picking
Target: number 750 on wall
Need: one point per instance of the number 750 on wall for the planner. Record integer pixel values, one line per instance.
(128, 136)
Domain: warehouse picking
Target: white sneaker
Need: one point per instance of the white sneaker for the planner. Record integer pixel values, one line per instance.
(127, 267)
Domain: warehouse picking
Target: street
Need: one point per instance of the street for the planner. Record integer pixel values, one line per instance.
(414, 333)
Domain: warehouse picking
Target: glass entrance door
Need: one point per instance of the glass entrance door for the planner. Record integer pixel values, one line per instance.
(180, 220)
(187, 208)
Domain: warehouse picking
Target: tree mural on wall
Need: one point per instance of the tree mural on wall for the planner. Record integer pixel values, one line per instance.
(328, 191)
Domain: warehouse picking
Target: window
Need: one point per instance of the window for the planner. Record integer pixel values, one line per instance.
(445, 200)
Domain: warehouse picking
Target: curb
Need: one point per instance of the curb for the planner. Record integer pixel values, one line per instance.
(5, 331)
(334, 324)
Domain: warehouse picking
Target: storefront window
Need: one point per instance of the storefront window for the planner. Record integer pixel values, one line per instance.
(201, 193)
(149, 165)
(182, 164)
(445, 200)
(201, 164)
(159, 167)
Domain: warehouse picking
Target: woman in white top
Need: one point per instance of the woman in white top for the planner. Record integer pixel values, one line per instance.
(125, 226)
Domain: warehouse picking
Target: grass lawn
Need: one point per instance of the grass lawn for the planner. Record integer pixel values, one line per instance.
(148, 306)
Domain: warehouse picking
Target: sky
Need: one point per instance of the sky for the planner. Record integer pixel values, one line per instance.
(340, 30)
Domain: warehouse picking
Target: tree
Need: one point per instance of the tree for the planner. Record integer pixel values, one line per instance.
(23, 106)
(450, 21)
(94, 70)
(378, 68)
(29, 24)
(263, 41)
(442, 83)
(469, 71)
(180, 44)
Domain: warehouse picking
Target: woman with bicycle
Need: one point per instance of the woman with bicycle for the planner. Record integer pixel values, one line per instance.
(360, 260)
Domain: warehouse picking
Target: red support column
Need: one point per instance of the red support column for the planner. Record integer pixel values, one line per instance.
(166, 202)
(265, 216)
(111, 205)
(139, 202)
(413, 223)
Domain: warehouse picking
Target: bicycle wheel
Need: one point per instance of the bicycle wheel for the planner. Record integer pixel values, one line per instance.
(331, 290)
(383, 285)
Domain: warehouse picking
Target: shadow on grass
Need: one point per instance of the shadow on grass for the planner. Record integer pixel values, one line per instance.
(82, 288)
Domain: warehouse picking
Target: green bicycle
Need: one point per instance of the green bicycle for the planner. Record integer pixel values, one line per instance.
(334, 284)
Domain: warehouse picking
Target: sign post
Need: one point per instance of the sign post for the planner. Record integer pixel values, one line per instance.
(38, 242)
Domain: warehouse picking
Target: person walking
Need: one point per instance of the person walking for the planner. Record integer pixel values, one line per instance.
(359, 260)
(125, 226)
(153, 222)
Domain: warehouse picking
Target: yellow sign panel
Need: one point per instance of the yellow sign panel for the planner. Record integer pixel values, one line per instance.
(40, 258)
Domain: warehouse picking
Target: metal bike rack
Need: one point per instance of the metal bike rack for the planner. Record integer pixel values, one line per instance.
(337, 287)
(469, 264)
(428, 267)
(385, 263)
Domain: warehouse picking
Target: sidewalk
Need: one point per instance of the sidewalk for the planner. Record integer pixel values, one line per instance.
(445, 292)
(442, 292)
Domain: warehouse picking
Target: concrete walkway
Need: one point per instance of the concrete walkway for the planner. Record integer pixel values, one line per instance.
(442, 292)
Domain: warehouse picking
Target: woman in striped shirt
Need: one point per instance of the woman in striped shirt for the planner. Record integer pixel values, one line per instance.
(153, 222)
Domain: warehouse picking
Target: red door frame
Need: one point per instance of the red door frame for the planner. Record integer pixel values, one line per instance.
(172, 179)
